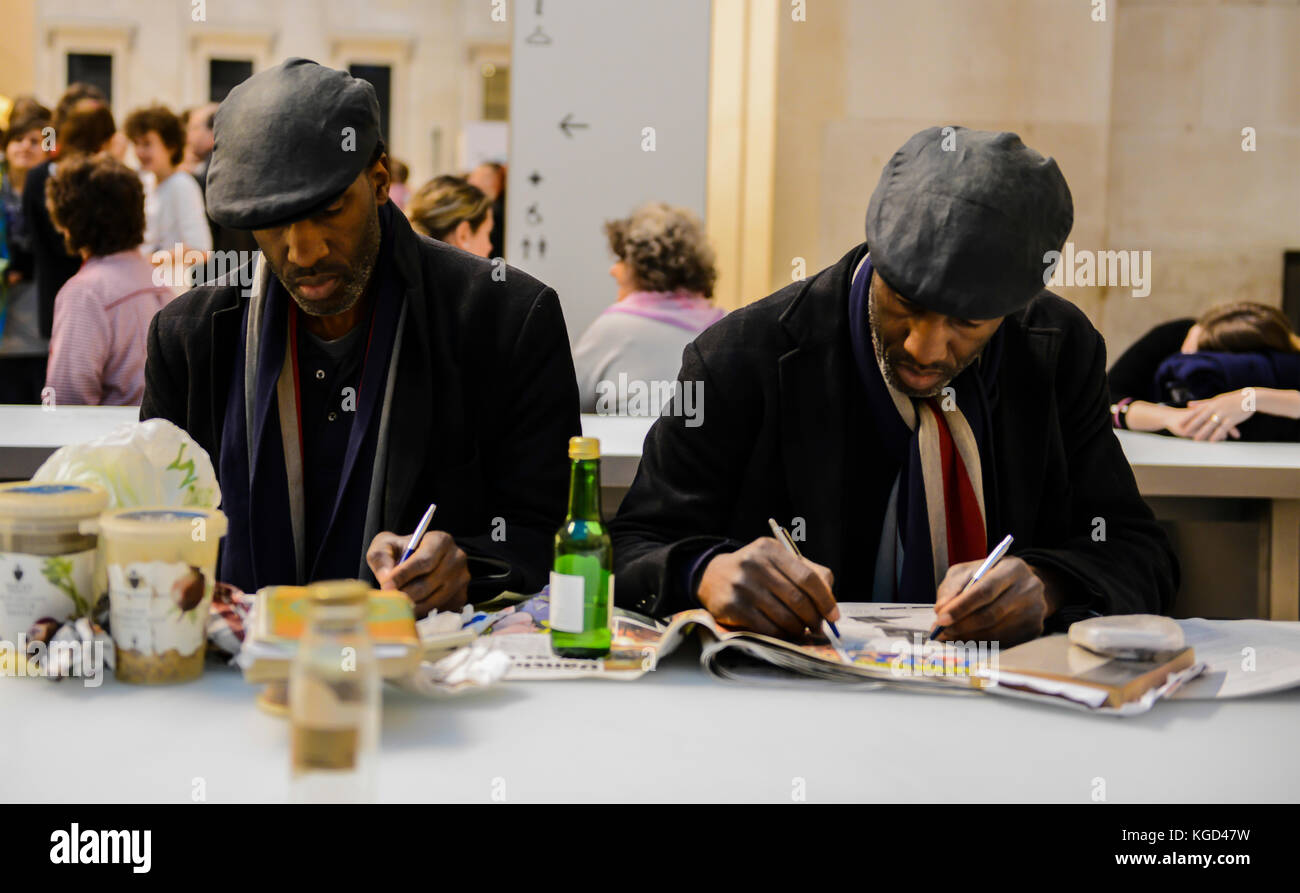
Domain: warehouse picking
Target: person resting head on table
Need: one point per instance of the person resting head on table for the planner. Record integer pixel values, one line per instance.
(901, 412)
(1234, 372)
(355, 372)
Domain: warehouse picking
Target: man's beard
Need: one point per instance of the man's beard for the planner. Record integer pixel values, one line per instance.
(353, 279)
(886, 359)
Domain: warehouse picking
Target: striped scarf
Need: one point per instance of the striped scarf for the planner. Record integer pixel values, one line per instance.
(937, 516)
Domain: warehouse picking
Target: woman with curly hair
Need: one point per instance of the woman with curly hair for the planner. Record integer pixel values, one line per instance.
(102, 314)
(665, 272)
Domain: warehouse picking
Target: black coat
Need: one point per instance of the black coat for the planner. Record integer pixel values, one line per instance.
(483, 408)
(783, 435)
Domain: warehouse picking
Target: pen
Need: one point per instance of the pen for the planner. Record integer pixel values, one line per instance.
(994, 557)
(420, 530)
(783, 537)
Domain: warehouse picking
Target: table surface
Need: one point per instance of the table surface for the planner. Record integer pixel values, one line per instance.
(674, 735)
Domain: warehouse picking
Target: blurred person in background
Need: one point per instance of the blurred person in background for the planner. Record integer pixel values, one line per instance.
(175, 221)
(1233, 372)
(664, 268)
(23, 350)
(450, 210)
(490, 177)
(102, 316)
(83, 125)
(399, 193)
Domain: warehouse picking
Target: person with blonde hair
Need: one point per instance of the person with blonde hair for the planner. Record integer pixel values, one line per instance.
(664, 268)
(1233, 372)
(450, 210)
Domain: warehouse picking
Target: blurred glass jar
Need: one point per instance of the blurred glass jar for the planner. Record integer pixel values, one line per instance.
(335, 699)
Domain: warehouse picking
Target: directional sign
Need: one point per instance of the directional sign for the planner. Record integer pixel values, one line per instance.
(588, 78)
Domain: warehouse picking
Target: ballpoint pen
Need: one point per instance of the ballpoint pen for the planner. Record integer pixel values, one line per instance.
(420, 530)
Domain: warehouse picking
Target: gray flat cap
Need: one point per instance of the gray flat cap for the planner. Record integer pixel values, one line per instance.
(287, 142)
(959, 224)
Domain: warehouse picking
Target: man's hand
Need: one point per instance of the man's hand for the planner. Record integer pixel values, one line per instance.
(435, 577)
(1008, 604)
(764, 588)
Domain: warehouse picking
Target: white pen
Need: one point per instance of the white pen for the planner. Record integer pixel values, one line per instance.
(994, 557)
(420, 530)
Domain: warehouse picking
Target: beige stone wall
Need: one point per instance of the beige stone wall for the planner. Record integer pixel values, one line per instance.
(17, 48)
(1143, 113)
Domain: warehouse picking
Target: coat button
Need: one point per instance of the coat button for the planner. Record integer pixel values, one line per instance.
(333, 416)
(320, 374)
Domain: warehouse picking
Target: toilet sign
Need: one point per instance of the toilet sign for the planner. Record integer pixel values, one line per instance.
(590, 79)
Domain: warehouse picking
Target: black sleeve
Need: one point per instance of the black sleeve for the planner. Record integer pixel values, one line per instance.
(528, 465)
(689, 479)
(1133, 374)
(1116, 555)
(165, 379)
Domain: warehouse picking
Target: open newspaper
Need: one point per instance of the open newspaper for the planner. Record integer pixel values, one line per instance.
(879, 644)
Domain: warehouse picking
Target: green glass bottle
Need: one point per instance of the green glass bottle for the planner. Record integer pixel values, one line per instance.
(582, 581)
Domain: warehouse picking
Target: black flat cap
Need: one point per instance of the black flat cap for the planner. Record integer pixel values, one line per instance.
(960, 221)
(287, 142)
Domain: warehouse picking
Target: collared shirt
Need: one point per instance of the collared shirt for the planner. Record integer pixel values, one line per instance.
(328, 372)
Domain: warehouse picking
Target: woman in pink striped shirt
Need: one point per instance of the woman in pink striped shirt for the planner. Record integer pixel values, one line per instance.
(102, 314)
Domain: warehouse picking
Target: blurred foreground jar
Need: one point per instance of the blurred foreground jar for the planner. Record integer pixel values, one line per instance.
(334, 699)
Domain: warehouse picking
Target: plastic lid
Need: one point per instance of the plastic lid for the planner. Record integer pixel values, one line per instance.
(37, 501)
(338, 592)
(584, 448)
(161, 521)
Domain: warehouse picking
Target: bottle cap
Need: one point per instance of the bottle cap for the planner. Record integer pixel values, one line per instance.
(584, 448)
(338, 592)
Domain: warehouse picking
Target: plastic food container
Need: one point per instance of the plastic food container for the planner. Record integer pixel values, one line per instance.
(161, 565)
(47, 564)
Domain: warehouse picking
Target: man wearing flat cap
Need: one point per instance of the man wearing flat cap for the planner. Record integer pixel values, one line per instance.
(902, 412)
(357, 372)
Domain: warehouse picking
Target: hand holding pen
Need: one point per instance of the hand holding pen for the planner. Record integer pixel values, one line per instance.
(767, 588)
(1000, 598)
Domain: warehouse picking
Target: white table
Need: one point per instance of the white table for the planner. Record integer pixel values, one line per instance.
(28, 434)
(674, 735)
(1171, 466)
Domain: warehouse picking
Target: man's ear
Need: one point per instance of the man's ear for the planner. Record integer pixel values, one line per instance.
(381, 179)
(461, 234)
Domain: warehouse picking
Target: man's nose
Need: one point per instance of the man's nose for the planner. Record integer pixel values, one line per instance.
(927, 343)
(307, 246)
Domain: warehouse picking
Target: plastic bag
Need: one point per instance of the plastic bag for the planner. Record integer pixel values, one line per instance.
(150, 463)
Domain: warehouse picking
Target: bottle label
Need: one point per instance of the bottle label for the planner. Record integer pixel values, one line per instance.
(568, 607)
(36, 586)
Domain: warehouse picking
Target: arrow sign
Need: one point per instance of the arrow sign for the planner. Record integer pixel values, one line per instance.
(568, 126)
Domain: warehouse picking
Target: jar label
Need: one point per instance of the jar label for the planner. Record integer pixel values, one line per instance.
(567, 602)
(36, 586)
(158, 606)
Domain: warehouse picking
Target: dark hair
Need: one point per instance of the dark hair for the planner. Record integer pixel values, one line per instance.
(1244, 327)
(665, 249)
(27, 115)
(442, 204)
(85, 131)
(76, 93)
(161, 121)
(99, 201)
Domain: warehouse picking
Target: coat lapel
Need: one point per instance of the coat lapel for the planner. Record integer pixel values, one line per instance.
(814, 378)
